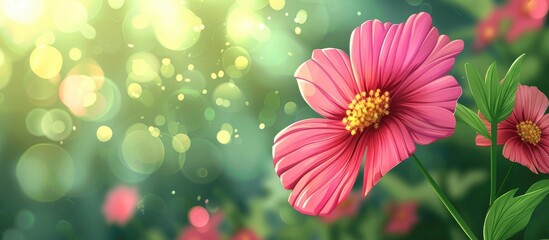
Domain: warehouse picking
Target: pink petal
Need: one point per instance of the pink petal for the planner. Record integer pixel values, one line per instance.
(518, 151)
(506, 130)
(320, 169)
(443, 92)
(427, 123)
(388, 145)
(437, 65)
(326, 82)
(366, 43)
(382, 55)
(530, 103)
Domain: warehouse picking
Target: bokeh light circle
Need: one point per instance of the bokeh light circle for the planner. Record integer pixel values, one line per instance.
(198, 216)
(33, 121)
(204, 162)
(236, 61)
(5, 69)
(46, 61)
(45, 172)
(56, 124)
(181, 142)
(229, 97)
(142, 152)
(104, 133)
(70, 16)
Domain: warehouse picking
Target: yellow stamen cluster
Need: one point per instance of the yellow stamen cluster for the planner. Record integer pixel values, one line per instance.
(529, 132)
(366, 109)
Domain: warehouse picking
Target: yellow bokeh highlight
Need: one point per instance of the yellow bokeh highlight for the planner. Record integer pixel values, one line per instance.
(116, 4)
(181, 142)
(23, 11)
(175, 26)
(277, 4)
(75, 54)
(241, 62)
(46, 61)
(223, 137)
(104, 133)
(70, 16)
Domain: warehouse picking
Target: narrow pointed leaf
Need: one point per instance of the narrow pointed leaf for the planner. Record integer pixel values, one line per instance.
(492, 81)
(508, 215)
(509, 89)
(467, 116)
(479, 91)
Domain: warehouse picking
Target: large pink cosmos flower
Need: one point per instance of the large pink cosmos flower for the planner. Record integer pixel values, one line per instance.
(526, 15)
(120, 204)
(391, 93)
(525, 133)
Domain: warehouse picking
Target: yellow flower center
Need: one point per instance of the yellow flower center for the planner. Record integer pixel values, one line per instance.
(489, 33)
(528, 6)
(366, 109)
(529, 132)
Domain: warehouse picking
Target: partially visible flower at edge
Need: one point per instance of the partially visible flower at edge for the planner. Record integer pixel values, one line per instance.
(392, 93)
(525, 133)
(526, 15)
(402, 218)
(120, 204)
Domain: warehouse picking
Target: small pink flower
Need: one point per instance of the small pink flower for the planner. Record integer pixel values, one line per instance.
(209, 231)
(525, 133)
(403, 217)
(392, 93)
(246, 234)
(526, 15)
(120, 204)
(348, 208)
(488, 29)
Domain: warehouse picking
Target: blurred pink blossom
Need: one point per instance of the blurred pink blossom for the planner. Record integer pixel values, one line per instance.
(120, 204)
(209, 231)
(526, 15)
(488, 29)
(402, 218)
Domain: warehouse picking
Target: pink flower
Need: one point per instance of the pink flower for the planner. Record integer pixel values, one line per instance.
(488, 29)
(524, 134)
(246, 234)
(403, 217)
(391, 93)
(120, 204)
(525, 15)
(348, 208)
(207, 232)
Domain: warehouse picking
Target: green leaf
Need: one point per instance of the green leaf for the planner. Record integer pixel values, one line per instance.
(479, 91)
(509, 88)
(467, 116)
(492, 80)
(508, 215)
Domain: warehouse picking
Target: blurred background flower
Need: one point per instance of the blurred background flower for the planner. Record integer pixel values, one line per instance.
(182, 100)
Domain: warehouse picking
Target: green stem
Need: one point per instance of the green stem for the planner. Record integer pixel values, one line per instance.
(505, 179)
(493, 162)
(445, 201)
